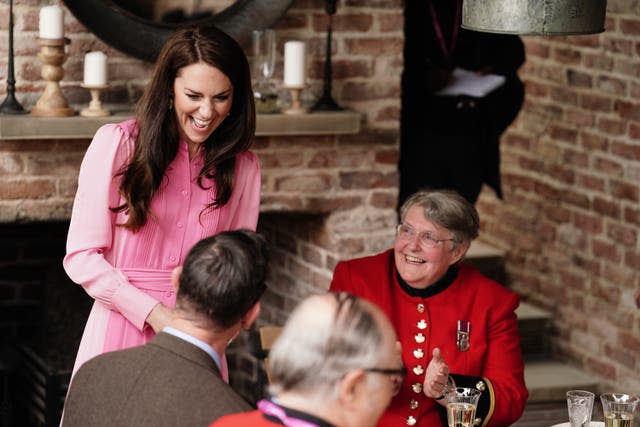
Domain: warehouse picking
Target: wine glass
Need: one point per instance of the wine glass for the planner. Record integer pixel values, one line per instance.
(461, 406)
(264, 62)
(618, 409)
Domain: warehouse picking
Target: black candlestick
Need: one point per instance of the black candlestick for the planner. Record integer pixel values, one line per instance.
(326, 102)
(10, 105)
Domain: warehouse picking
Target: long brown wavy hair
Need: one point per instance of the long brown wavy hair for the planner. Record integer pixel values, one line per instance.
(158, 138)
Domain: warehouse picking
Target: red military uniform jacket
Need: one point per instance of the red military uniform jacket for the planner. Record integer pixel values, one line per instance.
(492, 362)
(245, 419)
(258, 419)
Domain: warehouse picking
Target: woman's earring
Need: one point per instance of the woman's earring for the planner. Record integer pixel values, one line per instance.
(170, 104)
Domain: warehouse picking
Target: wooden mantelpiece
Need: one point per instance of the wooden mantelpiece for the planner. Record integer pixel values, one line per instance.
(78, 127)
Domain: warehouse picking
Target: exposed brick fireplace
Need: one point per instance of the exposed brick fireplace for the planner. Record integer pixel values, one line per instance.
(324, 197)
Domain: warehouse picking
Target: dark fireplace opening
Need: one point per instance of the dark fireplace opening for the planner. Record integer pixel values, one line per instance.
(43, 316)
(43, 313)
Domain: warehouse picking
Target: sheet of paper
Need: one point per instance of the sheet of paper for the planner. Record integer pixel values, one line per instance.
(470, 83)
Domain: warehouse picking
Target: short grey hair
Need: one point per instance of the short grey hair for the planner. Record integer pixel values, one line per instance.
(320, 344)
(447, 209)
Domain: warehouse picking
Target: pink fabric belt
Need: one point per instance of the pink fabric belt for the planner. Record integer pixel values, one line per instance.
(149, 279)
(120, 332)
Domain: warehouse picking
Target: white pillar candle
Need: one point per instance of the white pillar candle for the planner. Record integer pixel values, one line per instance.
(95, 69)
(294, 64)
(51, 22)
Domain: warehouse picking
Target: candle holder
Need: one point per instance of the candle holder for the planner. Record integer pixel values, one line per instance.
(10, 105)
(52, 103)
(326, 101)
(95, 106)
(296, 105)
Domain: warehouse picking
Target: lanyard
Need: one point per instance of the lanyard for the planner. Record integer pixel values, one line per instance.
(269, 408)
(447, 51)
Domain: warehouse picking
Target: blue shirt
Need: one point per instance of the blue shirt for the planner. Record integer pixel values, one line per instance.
(195, 341)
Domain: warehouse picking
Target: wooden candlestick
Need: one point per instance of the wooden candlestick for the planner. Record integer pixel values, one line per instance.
(95, 106)
(296, 105)
(52, 103)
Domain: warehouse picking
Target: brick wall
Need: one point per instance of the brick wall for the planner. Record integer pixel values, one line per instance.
(571, 214)
(37, 177)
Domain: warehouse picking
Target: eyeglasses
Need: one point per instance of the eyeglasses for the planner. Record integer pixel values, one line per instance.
(426, 239)
(397, 376)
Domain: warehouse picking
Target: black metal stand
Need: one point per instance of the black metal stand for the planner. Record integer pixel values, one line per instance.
(10, 105)
(326, 102)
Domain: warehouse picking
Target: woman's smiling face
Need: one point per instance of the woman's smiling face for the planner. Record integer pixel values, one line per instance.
(202, 99)
(421, 266)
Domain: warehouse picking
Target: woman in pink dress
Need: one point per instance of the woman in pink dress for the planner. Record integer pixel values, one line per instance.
(151, 187)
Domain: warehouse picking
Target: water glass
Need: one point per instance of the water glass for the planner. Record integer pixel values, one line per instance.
(618, 409)
(580, 406)
(461, 406)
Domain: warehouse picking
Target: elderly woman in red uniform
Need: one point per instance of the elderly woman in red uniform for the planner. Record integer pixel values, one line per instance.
(452, 321)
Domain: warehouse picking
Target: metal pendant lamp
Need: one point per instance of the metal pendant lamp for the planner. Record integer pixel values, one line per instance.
(534, 17)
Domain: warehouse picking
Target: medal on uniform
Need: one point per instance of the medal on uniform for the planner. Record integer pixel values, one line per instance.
(462, 338)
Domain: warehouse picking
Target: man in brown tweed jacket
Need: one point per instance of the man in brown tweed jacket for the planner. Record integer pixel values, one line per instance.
(176, 379)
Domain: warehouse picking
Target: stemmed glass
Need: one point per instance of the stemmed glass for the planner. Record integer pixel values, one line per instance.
(618, 409)
(264, 62)
(461, 406)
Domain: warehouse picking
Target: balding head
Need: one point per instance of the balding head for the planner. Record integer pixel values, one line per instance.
(326, 338)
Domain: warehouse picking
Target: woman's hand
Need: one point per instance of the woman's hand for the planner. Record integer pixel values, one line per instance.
(159, 317)
(436, 376)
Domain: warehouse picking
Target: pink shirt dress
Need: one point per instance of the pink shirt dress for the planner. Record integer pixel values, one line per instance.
(128, 273)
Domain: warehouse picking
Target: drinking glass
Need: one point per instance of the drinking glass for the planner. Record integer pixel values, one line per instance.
(580, 406)
(264, 62)
(618, 409)
(461, 406)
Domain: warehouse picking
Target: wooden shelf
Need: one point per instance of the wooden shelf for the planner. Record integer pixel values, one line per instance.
(25, 126)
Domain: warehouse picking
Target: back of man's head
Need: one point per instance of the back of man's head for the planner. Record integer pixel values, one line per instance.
(223, 276)
(326, 337)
